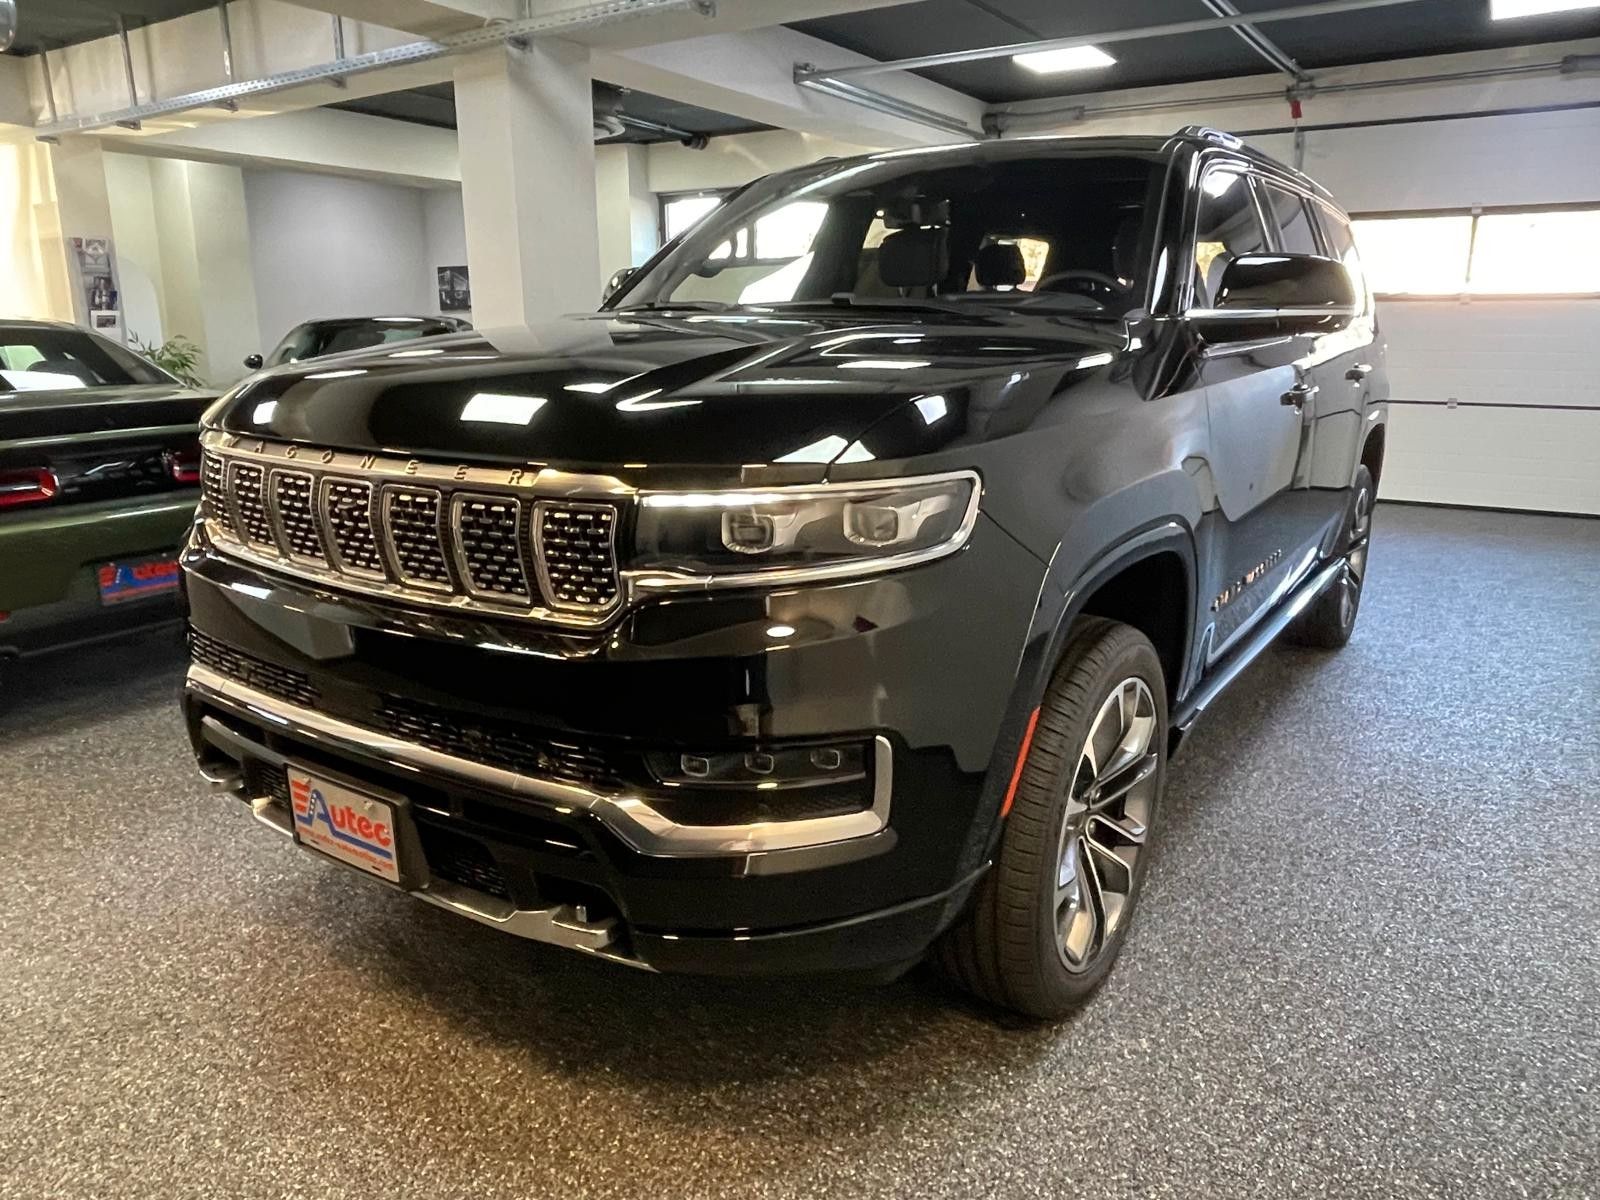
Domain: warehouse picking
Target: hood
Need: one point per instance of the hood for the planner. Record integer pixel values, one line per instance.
(608, 390)
(94, 410)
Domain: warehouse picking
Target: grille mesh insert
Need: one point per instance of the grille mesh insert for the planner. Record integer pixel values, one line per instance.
(291, 500)
(213, 495)
(412, 518)
(347, 510)
(579, 558)
(491, 545)
(247, 484)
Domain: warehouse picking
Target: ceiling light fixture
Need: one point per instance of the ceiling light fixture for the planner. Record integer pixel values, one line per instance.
(1072, 58)
(1505, 10)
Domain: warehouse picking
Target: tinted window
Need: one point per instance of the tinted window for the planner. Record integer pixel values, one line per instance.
(1341, 241)
(1229, 225)
(66, 359)
(1295, 235)
(1045, 231)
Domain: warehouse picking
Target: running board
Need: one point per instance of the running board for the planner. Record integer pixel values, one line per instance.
(1226, 671)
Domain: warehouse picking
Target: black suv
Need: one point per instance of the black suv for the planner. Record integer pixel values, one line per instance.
(838, 593)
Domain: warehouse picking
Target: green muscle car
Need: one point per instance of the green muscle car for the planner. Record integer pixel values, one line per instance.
(99, 477)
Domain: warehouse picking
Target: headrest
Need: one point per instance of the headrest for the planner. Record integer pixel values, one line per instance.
(911, 258)
(1000, 265)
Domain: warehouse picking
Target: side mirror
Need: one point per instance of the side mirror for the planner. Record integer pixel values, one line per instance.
(616, 283)
(253, 361)
(1275, 295)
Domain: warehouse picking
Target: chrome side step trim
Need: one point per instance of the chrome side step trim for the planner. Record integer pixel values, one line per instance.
(564, 925)
(630, 818)
(1229, 669)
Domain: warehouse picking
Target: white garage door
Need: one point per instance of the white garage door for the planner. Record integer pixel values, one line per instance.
(1495, 402)
(1492, 319)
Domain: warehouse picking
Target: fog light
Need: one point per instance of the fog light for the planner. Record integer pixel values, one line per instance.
(748, 533)
(778, 767)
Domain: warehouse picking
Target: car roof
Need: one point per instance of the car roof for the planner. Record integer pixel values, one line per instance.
(384, 320)
(21, 323)
(1152, 146)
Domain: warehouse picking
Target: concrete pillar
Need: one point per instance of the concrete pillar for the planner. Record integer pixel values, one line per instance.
(82, 210)
(525, 121)
(627, 208)
(208, 284)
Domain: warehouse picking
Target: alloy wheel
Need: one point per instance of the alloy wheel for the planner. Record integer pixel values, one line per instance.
(1110, 801)
(1355, 559)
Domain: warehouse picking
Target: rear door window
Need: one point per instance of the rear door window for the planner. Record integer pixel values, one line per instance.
(1289, 214)
(1229, 225)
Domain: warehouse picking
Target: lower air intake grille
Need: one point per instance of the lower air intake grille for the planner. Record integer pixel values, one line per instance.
(462, 860)
(576, 541)
(495, 743)
(282, 682)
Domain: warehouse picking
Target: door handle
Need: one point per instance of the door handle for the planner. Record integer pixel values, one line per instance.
(1299, 394)
(1358, 372)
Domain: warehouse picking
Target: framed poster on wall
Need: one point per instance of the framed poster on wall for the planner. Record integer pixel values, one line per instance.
(455, 289)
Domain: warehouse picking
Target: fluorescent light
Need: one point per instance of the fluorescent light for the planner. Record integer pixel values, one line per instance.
(1505, 10)
(502, 409)
(1072, 58)
(350, 374)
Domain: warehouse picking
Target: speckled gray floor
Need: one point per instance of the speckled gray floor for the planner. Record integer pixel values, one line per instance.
(1368, 965)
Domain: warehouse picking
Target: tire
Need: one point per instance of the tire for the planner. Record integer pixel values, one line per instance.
(1331, 618)
(1029, 942)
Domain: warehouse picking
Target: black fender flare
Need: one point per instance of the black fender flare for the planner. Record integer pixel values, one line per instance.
(1060, 602)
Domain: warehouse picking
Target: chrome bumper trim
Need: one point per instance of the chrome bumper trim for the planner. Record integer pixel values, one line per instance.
(561, 925)
(632, 819)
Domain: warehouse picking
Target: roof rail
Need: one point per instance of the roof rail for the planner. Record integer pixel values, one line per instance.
(1206, 133)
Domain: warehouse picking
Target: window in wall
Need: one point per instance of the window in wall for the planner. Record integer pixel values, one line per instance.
(1229, 225)
(1418, 256)
(1548, 252)
(679, 213)
(1529, 253)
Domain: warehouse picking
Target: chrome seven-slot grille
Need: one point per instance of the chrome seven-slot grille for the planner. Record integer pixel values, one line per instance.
(503, 552)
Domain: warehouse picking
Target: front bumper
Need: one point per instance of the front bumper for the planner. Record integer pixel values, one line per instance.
(917, 665)
(55, 601)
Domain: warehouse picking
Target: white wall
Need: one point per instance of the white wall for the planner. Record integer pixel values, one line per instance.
(445, 231)
(326, 246)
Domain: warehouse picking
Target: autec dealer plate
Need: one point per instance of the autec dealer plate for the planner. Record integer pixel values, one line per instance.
(345, 824)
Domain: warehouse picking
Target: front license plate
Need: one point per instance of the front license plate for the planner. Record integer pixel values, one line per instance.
(121, 581)
(347, 825)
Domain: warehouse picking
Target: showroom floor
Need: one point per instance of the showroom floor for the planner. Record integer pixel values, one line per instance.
(1366, 965)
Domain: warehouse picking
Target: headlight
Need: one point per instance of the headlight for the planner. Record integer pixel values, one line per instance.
(794, 534)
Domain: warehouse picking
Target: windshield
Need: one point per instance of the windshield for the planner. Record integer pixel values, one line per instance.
(49, 359)
(314, 340)
(1066, 232)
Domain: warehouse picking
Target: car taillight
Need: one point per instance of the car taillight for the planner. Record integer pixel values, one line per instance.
(183, 465)
(30, 485)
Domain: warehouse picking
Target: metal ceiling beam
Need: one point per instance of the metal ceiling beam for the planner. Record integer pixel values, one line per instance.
(586, 16)
(882, 102)
(1258, 41)
(1172, 29)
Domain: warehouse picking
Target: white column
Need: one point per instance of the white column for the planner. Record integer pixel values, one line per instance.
(526, 126)
(627, 208)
